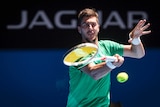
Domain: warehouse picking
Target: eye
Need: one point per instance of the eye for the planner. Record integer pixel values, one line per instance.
(93, 24)
(86, 25)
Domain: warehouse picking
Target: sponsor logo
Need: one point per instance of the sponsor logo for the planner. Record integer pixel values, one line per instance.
(114, 19)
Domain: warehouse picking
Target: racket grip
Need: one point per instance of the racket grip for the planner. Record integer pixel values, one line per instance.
(110, 58)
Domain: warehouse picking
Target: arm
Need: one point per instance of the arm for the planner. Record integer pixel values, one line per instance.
(97, 71)
(136, 50)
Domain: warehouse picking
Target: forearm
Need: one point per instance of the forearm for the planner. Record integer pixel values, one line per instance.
(135, 49)
(100, 70)
(97, 71)
(138, 50)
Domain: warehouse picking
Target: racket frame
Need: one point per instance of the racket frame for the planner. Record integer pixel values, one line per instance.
(79, 46)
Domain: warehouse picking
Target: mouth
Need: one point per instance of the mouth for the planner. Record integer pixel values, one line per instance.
(91, 38)
(91, 34)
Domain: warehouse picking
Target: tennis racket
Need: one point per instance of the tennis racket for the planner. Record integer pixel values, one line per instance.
(82, 54)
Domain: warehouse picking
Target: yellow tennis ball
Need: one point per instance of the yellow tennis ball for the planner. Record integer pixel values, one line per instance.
(122, 77)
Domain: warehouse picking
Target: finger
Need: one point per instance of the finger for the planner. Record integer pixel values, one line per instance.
(129, 41)
(146, 32)
(119, 61)
(116, 55)
(141, 23)
(145, 27)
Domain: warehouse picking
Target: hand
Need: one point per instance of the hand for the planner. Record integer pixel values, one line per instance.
(139, 30)
(119, 61)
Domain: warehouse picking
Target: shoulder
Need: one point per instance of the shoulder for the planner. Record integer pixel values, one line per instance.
(112, 46)
(108, 43)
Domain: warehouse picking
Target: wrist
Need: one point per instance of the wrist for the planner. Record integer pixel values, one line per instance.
(135, 41)
(110, 65)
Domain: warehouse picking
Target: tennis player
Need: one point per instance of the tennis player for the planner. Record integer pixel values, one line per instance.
(90, 84)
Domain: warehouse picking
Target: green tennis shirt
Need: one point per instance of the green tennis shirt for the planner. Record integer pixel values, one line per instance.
(84, 91)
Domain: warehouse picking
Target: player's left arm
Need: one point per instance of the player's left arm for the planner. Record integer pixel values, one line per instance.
(136, 48)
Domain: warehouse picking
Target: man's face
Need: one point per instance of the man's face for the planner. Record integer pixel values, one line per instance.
(89, 29)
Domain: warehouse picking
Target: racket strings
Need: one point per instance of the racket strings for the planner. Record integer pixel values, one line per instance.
(86, 57)
(80, 54)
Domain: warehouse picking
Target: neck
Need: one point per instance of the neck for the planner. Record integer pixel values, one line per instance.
(95, 41)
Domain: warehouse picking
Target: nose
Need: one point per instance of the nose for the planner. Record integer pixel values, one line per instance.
(91, 26)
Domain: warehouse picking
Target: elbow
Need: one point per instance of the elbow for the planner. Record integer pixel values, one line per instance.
(95, 76)
(140, 56)
(98, 75)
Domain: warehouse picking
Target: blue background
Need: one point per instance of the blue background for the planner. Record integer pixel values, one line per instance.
(38, 78)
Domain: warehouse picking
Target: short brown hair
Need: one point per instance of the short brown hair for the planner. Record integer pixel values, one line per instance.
(87, 12)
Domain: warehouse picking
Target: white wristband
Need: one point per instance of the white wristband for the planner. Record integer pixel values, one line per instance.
(136, 41)
(110, 65)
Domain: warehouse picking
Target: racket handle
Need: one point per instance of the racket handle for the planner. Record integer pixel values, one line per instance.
(105, 58)
(110, 58)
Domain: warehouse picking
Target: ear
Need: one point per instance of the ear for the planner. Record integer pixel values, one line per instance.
(79, 30)
(99, 28)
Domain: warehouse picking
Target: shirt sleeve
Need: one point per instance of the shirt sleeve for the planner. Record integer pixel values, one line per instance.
(113, 47)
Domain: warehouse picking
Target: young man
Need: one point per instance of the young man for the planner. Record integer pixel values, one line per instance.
(90, 84)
